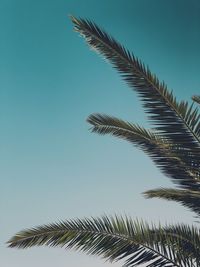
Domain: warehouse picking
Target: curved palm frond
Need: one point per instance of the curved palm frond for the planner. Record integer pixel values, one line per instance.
(116, 238)
(188, 198)
(169, 158)
(196, 98)
(175, 148)
(177, 121)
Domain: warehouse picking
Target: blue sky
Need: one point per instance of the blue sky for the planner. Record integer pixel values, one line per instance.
(52, 166)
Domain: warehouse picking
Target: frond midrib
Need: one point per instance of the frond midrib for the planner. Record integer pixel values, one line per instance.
(130, 131)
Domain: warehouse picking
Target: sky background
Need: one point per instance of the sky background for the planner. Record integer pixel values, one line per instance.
(52, 167)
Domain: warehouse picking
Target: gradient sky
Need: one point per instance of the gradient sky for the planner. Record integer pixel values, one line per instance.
(52, 167)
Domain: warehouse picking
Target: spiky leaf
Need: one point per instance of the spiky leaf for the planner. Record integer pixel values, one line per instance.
(196, 98)
(188, 198)
(178, 121)
(173, 161)
(117, 238)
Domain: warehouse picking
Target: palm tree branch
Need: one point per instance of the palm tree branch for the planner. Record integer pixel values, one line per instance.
(196, 98)
(171, 117)
(170, 159)
(188, 198)
(116, 238)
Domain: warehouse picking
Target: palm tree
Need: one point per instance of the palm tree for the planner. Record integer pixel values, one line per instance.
(173, 144)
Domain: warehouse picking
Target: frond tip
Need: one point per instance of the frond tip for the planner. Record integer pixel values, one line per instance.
(117, 238)
(188, 198)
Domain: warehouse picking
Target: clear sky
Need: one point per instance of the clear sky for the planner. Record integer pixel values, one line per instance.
(52, 167)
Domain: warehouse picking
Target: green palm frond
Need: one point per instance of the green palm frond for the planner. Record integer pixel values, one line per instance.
(170, 159)
(177, 121)
(117, 238)
(174, 145)
(188, 198)
(196, 98)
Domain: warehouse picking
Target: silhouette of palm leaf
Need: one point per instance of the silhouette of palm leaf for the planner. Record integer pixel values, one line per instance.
(177, 121)
(188, 198)
(169, 158)
(117, 238)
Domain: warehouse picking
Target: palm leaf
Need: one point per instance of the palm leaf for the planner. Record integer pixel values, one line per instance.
(173, 161)
(196, 98)
(116, 238)
(178, 121)
(188, 198)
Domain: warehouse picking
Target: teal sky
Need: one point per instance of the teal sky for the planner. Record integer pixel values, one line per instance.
(52, 167)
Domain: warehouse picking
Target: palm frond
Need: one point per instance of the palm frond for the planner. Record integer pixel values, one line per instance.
(178, 121)
(116, 238)
(170, 159)
(196, 98)
(188, 198)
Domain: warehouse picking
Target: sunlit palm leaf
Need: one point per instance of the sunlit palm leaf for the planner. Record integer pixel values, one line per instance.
(116, 238)
(169, 158)
(178, 121)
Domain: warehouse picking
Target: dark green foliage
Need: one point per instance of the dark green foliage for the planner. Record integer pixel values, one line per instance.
(188, 198)
(196, 98)
(178, 121)
(164, 154)
(174, 146)
(116, 238)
